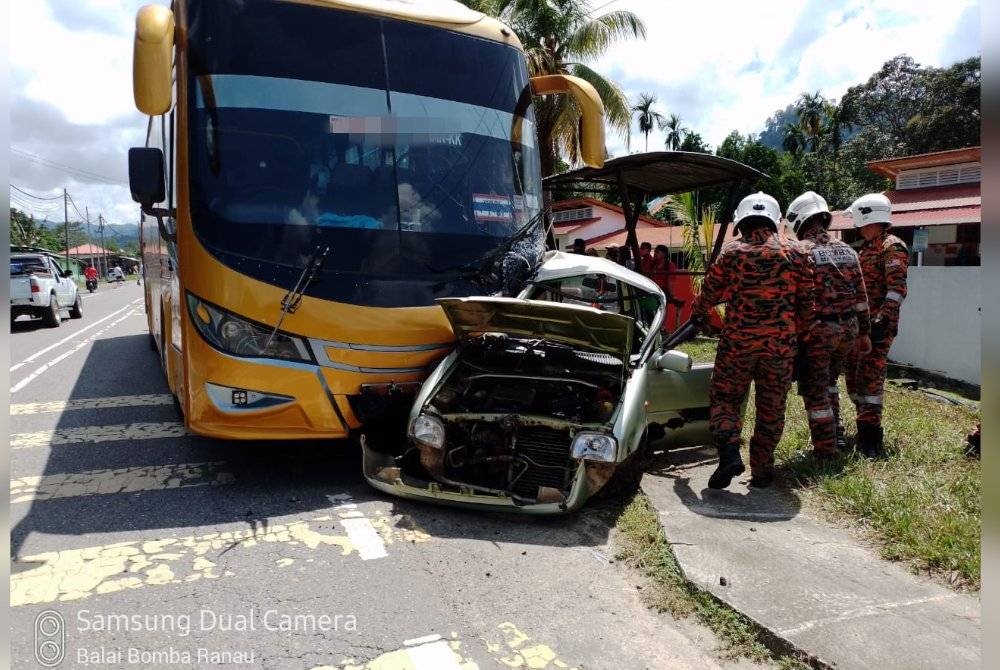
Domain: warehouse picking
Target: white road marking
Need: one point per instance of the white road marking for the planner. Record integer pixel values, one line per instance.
(34, 375)
(124, 480)
(70, 337)
(433, 656)
(361, 531)
(149, 400)
(97, 434)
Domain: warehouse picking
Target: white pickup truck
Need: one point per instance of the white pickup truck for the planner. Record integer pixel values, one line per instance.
(40, 289)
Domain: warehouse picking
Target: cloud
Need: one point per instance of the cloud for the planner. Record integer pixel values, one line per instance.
(965, 40)
(108, 17)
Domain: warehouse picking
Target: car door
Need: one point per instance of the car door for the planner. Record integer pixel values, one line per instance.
(63, 285)
(678, 402)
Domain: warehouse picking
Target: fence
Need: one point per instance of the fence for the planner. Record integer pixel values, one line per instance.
(940, 322)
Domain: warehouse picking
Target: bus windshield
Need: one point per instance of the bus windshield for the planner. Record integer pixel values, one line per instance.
(407, 150)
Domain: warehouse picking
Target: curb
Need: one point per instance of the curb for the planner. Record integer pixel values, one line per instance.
(777, 644)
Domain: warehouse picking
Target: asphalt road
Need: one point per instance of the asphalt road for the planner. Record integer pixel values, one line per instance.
(150, 547)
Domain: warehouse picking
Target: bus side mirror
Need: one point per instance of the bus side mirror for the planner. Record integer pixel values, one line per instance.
(146, 177)
(152, 60)
(591, 108)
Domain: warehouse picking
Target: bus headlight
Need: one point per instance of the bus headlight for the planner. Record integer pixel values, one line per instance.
(595, 447)
(240, 337)
(427, 430)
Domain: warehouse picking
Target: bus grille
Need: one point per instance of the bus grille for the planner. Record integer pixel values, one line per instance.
(545, 461)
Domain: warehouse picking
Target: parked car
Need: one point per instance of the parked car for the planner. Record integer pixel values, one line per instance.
(41, 289)
(549, 397)
(116, 274)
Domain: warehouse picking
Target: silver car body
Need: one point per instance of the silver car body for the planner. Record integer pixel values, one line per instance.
(600, 324)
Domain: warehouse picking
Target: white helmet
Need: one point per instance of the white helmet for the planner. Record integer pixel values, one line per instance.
(758, 204)
(807, 205)
(871, 208)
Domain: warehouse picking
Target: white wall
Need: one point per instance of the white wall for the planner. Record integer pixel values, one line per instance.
(939, 325)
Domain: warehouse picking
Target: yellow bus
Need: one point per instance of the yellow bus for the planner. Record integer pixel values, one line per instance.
(315, 175)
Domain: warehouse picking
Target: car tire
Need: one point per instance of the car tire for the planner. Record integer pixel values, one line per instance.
(51, 317)
(76, 311)
(624, 483)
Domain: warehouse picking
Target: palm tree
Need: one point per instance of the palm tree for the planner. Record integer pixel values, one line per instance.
(675, 133)
(558, 36)
(811, 109)
(646, 116)
(794, 140)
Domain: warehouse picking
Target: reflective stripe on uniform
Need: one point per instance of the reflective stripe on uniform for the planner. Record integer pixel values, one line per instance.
(861, 307)
(869, 399)
(821, 414)
(895, 297)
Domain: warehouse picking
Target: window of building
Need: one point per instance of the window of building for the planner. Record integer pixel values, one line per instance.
(967, 173)
(572, 214)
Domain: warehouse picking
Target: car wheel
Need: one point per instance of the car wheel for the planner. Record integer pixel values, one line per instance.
(76, 311)
(624, 483)
(51, 317)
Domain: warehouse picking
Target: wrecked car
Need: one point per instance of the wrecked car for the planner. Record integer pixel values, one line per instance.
(549, 397)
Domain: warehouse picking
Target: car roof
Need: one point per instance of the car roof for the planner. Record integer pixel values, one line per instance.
(560, 265)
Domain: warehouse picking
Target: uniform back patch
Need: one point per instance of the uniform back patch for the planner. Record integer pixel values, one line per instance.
(840, 256)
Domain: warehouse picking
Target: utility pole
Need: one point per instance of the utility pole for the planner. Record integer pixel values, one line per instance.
(90, 240)
(66, 224)
(104, 250)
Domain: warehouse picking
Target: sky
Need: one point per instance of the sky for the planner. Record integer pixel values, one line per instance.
(719, 65)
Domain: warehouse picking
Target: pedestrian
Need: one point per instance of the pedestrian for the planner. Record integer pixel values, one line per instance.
(767, 284)
(625, 257)
(884, 261)
(842, 322)
(645, 265)
(579, 246)
(611, 253)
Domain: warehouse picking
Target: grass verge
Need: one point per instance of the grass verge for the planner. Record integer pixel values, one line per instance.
(644, 546)
(920, 504)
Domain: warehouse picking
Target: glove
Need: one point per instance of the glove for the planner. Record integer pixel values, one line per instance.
(800, 367)
(698, 322)
(879, 330)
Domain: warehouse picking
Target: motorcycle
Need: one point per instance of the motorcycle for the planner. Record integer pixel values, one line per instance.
(91, 285)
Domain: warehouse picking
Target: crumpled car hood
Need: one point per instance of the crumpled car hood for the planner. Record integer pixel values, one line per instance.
(574, 325)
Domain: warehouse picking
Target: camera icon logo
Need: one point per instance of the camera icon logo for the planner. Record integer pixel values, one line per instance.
(50, 638)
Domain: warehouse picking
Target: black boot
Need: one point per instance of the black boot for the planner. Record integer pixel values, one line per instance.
(841, 438)
(730, 465)
(870, 440)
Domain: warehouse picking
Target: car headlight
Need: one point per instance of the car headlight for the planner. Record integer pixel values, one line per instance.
(595, 447)
(428, 430)
(240, 337)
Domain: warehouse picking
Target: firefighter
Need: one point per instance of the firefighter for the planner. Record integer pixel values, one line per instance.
(767, 285)
(842, 321)
(884, 261)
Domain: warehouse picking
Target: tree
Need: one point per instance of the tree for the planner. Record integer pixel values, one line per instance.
(774, 131)
(646, 116)
(811, 112)
(675, 133)
(558, 36)
(694, 142)
(794, 140)
(25, 231)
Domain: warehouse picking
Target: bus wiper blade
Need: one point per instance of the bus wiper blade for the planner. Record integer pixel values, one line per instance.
(478, 267)
(293, 298)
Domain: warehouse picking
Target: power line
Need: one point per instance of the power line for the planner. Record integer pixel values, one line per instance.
(76, 172)
(32, 195)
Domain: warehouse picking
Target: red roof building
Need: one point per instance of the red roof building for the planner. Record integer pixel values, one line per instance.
(936, 205)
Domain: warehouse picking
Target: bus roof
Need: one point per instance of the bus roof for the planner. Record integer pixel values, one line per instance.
(447, 14)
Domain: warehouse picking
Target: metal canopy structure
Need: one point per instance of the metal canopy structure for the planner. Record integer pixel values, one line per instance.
(640, 177)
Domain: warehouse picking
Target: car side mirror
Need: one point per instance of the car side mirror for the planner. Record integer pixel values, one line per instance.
(146, 177)
(673, 360)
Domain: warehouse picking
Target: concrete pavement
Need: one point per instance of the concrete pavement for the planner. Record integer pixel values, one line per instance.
(815, 587)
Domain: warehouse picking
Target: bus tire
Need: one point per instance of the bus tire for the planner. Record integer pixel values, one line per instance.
(51, 316)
